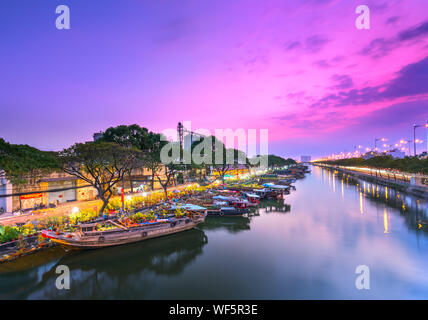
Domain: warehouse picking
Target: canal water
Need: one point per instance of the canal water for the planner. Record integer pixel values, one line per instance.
(305, 247)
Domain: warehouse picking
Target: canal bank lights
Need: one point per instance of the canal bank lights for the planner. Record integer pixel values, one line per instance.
(383, 148)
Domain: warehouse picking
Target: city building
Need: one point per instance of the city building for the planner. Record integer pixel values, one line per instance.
(370, 154)
(396, 154)
(5, 186)
(305, 159)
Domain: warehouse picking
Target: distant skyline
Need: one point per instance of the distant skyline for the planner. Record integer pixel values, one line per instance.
(298, 68)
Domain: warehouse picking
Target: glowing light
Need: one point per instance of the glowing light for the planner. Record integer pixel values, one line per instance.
(385, 222)
(75, 210)
(128, 198)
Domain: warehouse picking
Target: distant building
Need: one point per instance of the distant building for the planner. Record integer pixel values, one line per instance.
(5, 185)
(396, 154)
(370, 154)
(188, 140)
(305, 159)
(98, 135)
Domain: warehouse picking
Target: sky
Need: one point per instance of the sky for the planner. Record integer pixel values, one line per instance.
(300, 69)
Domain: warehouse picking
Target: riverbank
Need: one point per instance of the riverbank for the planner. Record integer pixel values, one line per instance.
(66, 209)
(309, 251)
(401, 183)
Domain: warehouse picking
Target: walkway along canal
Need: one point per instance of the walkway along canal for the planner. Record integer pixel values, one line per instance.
(415, 184)
(306, 247)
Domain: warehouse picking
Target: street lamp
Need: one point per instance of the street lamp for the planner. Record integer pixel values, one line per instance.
(426, 126)
(414, 136)
(376, 140)
(406, 141)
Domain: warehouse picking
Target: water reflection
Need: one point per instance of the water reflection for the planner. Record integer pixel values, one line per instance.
(111, 272)
(274, 206)
(232, 224)
(413, 210)
(309, 252)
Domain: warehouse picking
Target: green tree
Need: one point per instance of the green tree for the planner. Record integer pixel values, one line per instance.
(23, 165)
(101, 164)
(148, 142)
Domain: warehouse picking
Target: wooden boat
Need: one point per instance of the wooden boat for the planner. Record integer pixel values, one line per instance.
(87, 237)
(227, 211)
(252, 198)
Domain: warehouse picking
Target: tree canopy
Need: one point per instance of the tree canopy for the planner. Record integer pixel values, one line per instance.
(148, 142)
(406, 164)
(22, 162)
(101, 164)
(277, 161)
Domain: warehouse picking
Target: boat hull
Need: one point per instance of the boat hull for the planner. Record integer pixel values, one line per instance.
(95, 240)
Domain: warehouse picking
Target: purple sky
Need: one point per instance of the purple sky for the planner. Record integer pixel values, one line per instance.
(298, 68)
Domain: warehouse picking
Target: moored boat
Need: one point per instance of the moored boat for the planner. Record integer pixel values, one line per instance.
(227, 211)
(90, 236)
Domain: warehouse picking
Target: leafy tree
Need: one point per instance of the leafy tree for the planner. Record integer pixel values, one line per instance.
(406, 164)
(101, 164)
(213, 153)
(277, 161)
(169, 175)
(23, 165)
(148, 142)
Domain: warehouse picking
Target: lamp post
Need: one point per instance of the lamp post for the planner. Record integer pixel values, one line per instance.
(375, 142)
(414, 136)
(408, 141)
(426, 126)
(387, 146)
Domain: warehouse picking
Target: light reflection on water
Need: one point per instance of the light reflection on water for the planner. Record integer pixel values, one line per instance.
(305, 248)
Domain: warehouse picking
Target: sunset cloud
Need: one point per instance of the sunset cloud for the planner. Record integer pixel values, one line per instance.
(298, 68)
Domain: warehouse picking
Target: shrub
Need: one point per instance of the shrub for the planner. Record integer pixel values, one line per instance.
(9, 233)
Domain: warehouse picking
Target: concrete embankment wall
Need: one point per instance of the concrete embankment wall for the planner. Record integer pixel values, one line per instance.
(415, 190)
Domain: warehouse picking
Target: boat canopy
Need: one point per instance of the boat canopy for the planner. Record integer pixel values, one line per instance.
(220, 203)
(188, 206)
(252, 195)
(224, 198)
(275, 186)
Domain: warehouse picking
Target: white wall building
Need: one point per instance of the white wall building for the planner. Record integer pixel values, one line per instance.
(5, 188)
